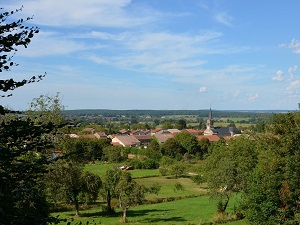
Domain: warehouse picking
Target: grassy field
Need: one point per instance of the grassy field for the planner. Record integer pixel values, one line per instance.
(198, 210)
(191, 205)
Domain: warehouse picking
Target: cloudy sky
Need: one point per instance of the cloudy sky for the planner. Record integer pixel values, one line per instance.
(161, 54)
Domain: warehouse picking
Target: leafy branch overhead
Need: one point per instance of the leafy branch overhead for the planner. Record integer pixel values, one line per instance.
(12, 35)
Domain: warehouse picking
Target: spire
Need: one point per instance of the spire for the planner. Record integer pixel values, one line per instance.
(210, 117)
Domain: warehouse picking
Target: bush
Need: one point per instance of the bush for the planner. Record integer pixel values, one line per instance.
(163, 171)
(137, 164)
(150, 164)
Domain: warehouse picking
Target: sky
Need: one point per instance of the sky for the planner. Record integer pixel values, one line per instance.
(160, 54)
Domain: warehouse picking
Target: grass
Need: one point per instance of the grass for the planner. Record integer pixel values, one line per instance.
(98, 167)
(188, 206)
(198, 210)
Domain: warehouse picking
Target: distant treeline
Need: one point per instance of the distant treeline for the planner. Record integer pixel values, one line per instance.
(161, 113)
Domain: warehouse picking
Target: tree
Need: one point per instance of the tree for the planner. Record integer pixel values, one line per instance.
(167, 125)
(172, 148)
(188, 141)
(204, 144)
(22, 165)
(113, 154)
(273, 193)
(68, 175)
(46, 109)
(22, 142)
(12, 35)
(130, 193)
(66, 181)
(91, 186)
(228, 169)
(178, 169)
(181, 124)
(110, 181)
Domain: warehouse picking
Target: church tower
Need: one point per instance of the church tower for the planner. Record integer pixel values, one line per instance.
(210, 130)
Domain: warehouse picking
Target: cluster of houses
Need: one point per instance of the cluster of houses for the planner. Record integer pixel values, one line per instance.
(141, 138)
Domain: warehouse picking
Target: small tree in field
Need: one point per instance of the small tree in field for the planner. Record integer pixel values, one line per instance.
(130, 193)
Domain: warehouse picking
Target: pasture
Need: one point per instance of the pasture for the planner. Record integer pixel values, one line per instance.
(189, 205)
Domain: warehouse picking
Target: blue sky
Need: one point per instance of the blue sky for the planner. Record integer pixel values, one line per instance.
(161, 54)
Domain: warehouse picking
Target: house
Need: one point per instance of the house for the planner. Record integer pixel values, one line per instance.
(161, 138)
(89, 129)
(100, 135)
(126, 141)
(123, 132)
(140, 132)
(194, 132)
(144, 139)
(157, 131)
(211, 138)
(174, 131)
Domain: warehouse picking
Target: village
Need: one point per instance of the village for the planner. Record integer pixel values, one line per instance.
(142, 138)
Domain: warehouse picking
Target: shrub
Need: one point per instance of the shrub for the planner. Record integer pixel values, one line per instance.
(137, 164)
(150, 164)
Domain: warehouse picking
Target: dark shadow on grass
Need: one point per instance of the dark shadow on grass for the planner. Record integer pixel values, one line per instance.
(154, 217)
(99, 214)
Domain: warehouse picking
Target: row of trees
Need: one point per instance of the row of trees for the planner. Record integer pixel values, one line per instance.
(263, 169)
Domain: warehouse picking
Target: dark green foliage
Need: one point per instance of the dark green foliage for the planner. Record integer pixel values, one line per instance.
(84, 149)
(177, 169)
(204, 145)
(91, 186)
(109, 188)
(129, 193)
(173, 149)
(198, 179)
(114, 154)
(22, 164)
(66, 181)
(229, 167)
(273, 194)
(188, 141)
(154, 189)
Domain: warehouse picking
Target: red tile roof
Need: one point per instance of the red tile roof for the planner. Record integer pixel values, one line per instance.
(211, 138)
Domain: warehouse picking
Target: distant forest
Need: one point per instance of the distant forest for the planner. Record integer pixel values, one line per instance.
(162, 113)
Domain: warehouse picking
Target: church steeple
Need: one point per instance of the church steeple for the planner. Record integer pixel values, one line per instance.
(210, 124)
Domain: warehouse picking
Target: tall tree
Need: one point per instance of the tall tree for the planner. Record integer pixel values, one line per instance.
(273, 195)
(22, 142)
(188, 141)
(228, 169)
(22, 165)
(172, 148)
(12, 35)
(69, 178)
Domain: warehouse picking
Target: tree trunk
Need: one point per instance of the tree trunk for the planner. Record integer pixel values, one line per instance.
(108, 199)
(124, 218)
(76, 207)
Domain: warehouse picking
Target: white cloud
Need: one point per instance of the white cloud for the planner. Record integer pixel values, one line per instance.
(105, 13)
(203, 89)
(224, 18)
(293, 89)
(253, 97)
(279, 76)
(291, 71)
(52, 43)
(294, 45)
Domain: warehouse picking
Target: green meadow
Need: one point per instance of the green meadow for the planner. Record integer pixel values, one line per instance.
(188, 205)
